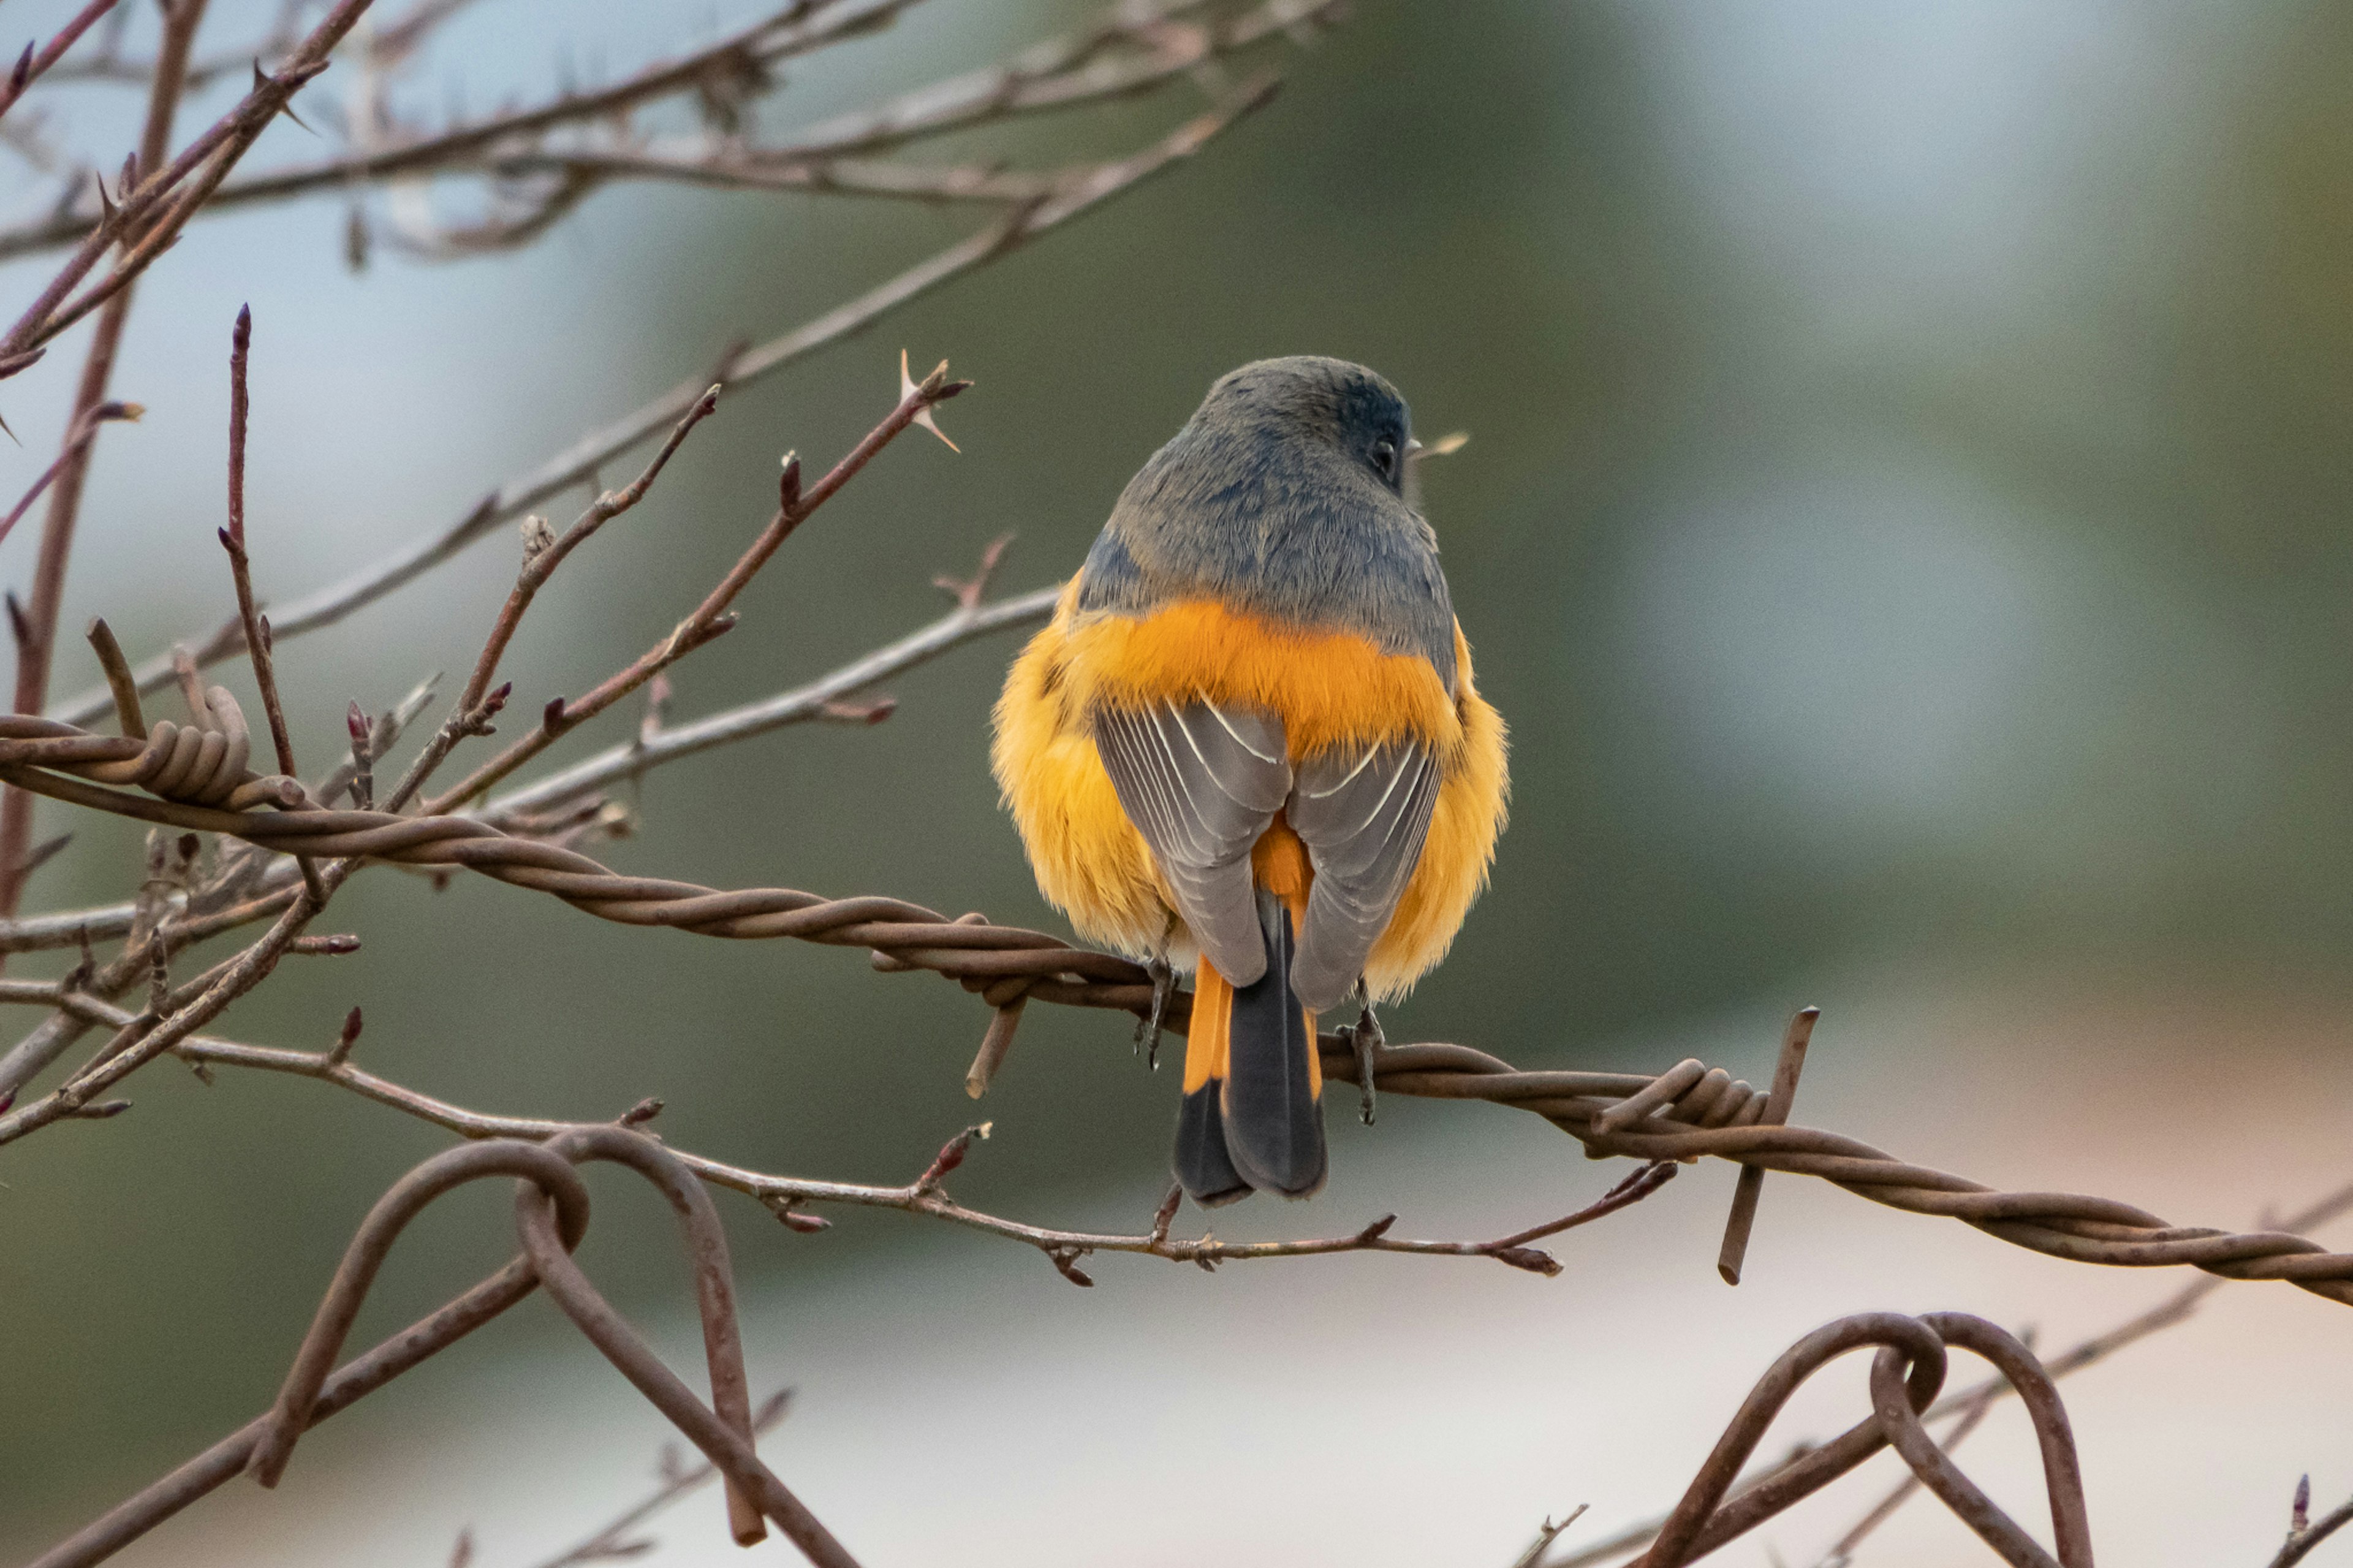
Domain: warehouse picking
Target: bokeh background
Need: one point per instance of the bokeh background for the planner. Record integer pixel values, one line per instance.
(1904, 524)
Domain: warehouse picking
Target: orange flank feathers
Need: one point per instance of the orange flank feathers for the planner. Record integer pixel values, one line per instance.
(1328, 688)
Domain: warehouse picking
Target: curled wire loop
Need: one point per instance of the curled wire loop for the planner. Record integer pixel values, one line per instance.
(299, 1397)
(551, 1214)
(199, 763)
(1686, 1113)
(1905, 1376)
(723, 1430)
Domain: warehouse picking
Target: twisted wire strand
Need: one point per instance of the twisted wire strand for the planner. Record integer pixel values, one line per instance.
(1686, 1113)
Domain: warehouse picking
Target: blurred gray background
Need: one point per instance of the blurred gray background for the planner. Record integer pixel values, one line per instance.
(1902, 525)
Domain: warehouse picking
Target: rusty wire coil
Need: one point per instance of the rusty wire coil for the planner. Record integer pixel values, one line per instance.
(551, 1216)
(1905, 1375)
(1686, 1113)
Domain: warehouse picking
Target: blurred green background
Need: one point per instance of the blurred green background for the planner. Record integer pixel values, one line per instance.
(1903, 526)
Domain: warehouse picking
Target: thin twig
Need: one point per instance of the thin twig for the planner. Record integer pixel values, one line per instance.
(2300, 1542)
(922, 1196)
(76, 444)
(586, 458)
(711, 618)
(30, 67)
(623, 763)
(540, 565)
(232, 538)
(38, 642)
(615, 1541)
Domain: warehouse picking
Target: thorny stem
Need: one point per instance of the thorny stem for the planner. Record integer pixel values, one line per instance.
(248, 970)
(32, 67)
(181, 18)
(76, 444)
(516, 810)
(711, 618)
(578, 462)
(540, 565)
(136, 217)
(921, 1196)
(232, 538)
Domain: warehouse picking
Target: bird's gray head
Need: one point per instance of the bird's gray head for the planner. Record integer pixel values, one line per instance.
(1285, 495)
(1345, 410)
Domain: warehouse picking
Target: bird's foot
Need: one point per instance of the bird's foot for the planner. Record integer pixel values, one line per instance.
(1368, 1039)
(1147, 1029)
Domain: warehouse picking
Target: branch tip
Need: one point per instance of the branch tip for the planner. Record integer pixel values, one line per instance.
(341, 1051)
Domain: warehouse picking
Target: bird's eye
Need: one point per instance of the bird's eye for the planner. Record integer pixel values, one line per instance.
(1385, 457)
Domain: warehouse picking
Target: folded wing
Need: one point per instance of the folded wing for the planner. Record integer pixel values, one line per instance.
(1362, 814)
(1201, 783)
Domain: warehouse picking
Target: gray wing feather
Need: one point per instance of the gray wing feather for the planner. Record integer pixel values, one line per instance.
(1363, 817)
(1201, 783)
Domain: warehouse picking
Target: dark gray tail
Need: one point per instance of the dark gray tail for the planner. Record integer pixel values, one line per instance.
(1258, 1125)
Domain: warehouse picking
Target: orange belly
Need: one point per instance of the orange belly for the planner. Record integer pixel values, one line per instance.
(1329, 688)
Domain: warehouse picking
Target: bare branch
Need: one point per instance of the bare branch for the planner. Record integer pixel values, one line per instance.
(578, 464)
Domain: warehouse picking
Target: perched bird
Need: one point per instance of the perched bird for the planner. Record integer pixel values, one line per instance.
(1249, 738)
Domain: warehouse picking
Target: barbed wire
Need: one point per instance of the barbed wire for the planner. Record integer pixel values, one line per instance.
(1688, 1111)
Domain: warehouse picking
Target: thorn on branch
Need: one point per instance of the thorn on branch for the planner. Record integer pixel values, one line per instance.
(262, 81)
(936, 388)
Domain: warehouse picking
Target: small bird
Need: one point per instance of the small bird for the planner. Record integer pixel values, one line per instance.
(1248, 741)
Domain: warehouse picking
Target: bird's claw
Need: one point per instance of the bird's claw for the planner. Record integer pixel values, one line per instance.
(1368, 1039)
(1147, 1029)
